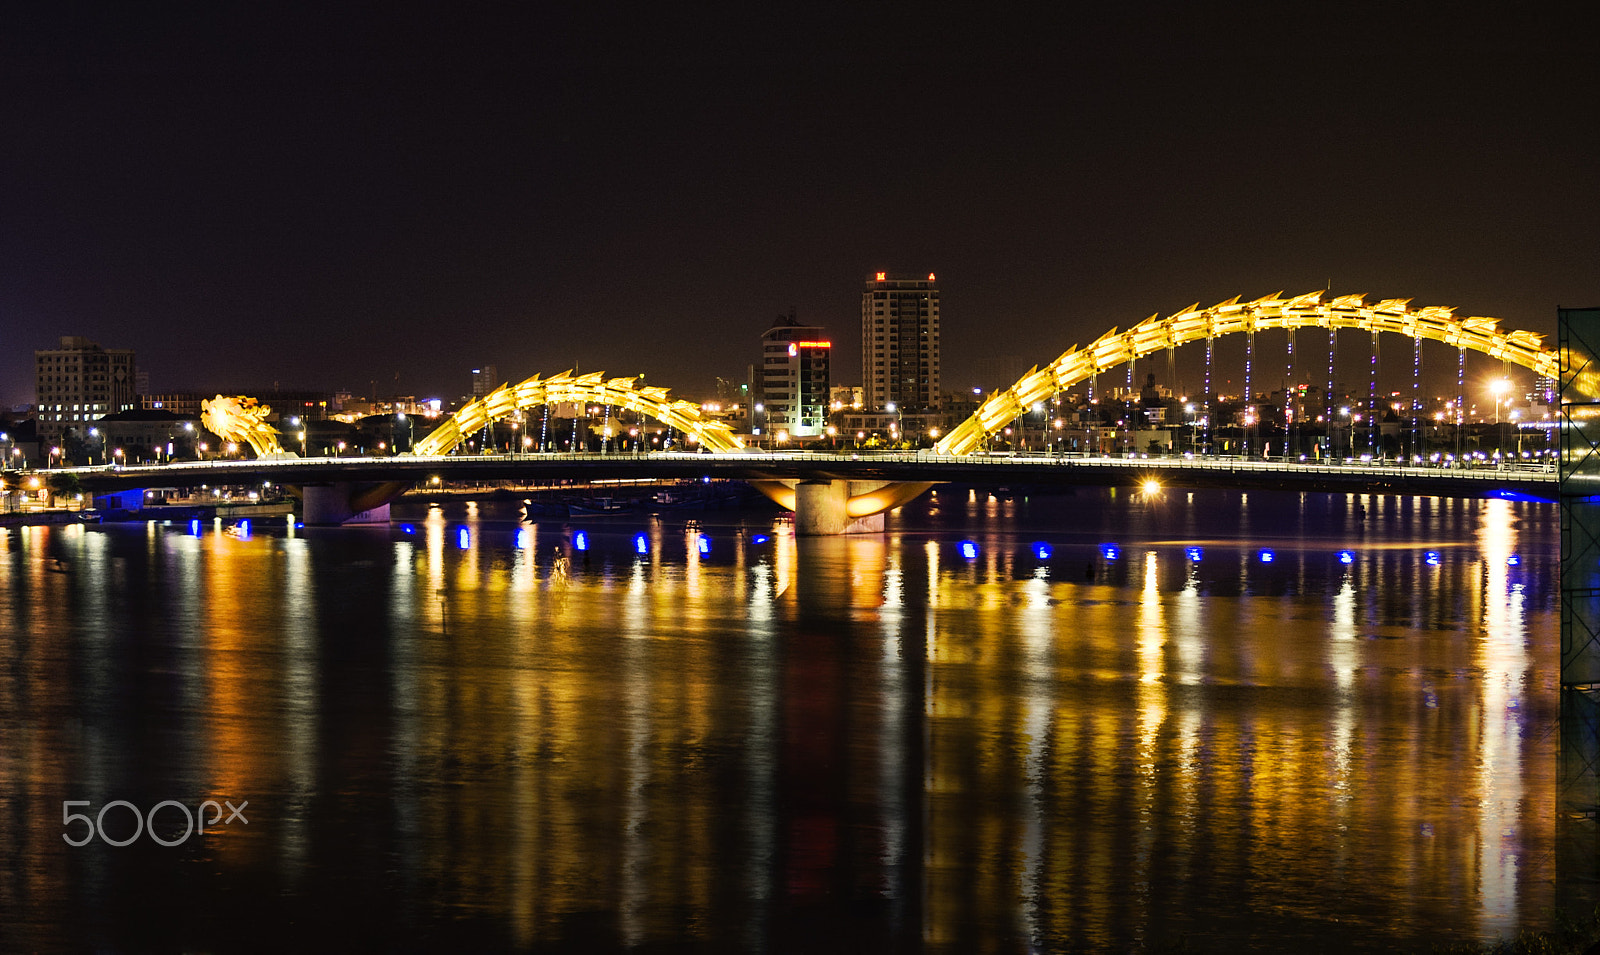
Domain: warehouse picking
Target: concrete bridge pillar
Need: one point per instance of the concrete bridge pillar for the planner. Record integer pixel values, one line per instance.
(821, 509)
(337, 504)
(824, 507)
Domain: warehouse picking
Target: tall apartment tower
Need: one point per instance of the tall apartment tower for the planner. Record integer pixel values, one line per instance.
(794, 379)
(485, 380)
(900, 343)
(79, 383)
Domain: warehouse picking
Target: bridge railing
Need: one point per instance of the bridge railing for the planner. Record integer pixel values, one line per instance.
(1486, 471)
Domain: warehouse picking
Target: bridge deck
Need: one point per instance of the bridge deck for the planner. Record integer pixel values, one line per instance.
(1174, 471)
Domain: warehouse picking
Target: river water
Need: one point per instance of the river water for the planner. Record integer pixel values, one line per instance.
(1208, 722)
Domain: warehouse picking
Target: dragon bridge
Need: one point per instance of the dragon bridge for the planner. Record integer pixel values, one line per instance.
(1434, 322)
(593, 387)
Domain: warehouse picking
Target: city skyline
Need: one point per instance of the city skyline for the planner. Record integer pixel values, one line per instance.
(328, 202)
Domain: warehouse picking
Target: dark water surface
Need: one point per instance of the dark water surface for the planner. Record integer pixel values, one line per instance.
(461, 732)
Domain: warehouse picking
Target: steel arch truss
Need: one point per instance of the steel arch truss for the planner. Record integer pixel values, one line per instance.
(583, 389)
(1115, 347)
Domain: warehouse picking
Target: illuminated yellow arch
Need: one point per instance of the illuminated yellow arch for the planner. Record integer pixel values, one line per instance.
(1435, 322)
(593, 387)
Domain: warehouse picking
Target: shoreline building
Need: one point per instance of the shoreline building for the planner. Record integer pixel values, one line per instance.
(900, 344)
(79, 383)
(794, 380)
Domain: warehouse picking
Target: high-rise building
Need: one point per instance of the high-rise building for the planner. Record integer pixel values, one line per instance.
(794, 379)
(485, 380)
(79, 383)
(900, 343)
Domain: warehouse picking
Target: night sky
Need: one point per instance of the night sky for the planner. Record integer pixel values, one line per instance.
(330, 199)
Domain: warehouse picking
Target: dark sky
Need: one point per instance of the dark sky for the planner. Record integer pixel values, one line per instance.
(325, 199)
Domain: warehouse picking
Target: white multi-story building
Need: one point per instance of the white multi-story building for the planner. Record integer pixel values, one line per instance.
(81, 382)
(900, 344)
(794, 380)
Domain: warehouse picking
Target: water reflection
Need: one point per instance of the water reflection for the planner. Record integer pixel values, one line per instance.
(488, 734)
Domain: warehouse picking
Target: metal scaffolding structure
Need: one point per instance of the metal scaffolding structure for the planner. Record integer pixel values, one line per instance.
(1578, 758)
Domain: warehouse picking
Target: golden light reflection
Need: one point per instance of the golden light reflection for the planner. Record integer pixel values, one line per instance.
(1029, 755)
(1503, 658)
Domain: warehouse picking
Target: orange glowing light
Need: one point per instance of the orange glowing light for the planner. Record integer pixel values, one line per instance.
(882, 276)
(930, 276)
(816, 344)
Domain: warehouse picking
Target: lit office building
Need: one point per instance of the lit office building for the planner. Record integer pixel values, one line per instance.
(794, 380)
(485, 380)
(81, 382)
(900, 343)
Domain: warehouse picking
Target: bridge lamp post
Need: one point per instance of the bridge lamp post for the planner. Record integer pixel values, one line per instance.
(1499, 389)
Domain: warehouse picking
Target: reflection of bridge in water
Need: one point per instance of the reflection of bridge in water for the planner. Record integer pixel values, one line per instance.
(846, 494)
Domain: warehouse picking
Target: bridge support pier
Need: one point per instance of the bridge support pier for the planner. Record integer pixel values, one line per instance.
(345, 503)
(825, 507)
(821, 509)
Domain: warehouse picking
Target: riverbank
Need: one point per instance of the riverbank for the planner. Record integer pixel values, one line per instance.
(154, 512)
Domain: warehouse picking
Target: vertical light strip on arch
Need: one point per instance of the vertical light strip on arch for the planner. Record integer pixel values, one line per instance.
(1435, 322)
(592, 387)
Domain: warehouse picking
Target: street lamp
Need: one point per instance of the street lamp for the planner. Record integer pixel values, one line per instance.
(1498, 388)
